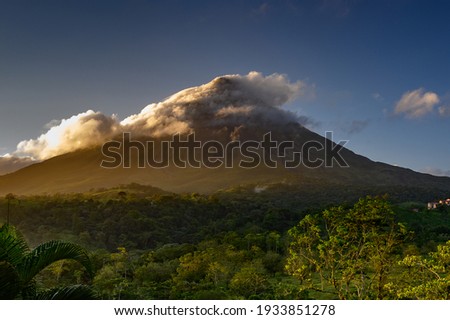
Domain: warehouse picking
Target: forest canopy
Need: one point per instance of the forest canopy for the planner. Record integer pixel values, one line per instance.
(147, 244)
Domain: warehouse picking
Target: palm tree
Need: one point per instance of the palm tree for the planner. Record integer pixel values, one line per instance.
(19, 265)
(9, 197)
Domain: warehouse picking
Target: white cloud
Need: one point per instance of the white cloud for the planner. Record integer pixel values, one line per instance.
(417, 103)
(229, 101)
(80, 131)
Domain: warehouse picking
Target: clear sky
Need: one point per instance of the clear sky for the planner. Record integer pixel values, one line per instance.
(377, 71)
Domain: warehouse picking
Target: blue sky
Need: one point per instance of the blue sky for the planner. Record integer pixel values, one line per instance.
(377, 71)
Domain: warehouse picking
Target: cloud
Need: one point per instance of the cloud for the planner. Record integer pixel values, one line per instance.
(436, 171)
(417, 103)
(444, 111)
(80, 131)
(229, 101)
(52, 124)
(9, 163)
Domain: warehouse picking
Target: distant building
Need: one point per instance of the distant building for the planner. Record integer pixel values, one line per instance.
(432, 205)
(435, 204)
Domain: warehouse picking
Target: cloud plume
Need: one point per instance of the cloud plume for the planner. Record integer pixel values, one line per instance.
(227, 101)
(417, 103)
(84, 130)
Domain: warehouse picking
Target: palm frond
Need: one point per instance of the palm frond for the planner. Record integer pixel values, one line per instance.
(76, 292)
(52, 251)
(28, 290)
(9, 281)
(13, 246)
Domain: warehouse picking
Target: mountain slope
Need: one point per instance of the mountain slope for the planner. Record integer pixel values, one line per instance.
(80, 171)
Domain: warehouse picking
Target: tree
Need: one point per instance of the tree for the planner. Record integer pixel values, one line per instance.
(351, 250)
(19, 266)
(114, 279)
(250, 281)
(425, 277)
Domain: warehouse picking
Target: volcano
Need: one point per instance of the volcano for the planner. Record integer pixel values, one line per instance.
(229, 109)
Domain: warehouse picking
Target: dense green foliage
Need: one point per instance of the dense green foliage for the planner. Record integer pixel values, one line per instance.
(148, 244)
(352, 250)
